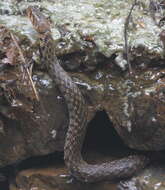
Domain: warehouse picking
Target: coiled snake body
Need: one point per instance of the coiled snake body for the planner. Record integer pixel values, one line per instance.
(78, 111)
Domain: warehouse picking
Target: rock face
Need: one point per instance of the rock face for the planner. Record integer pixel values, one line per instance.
(151, 178)
(89, 37)
(31, 129)
(53, 181)
(56, 177)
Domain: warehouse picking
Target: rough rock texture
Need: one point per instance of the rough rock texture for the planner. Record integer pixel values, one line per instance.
(55, 175)
(33, 132)
(54, 181)
(57, 178)
(151, 178)
(95, 27)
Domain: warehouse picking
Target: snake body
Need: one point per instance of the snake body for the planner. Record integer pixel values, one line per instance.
(78, 112)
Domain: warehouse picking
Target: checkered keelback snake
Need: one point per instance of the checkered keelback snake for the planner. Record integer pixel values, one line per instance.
(78, 111)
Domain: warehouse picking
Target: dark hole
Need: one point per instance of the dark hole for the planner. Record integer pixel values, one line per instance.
(101, 134)
(102, 141)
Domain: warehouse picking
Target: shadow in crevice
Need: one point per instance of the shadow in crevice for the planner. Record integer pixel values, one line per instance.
(101, 134)
(102, 142)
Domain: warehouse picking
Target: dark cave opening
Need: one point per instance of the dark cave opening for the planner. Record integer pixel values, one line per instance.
(101, 134)
(102, 142)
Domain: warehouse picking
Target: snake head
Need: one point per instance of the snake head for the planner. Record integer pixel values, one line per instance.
(39, 21)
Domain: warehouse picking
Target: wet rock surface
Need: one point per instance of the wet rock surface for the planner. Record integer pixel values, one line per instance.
(54, 178)
(151, 178)
(56, 181)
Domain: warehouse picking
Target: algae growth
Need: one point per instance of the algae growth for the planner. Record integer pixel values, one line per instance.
(102, 21)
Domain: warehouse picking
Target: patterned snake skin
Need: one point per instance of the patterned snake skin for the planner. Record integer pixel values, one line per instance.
(78, 111)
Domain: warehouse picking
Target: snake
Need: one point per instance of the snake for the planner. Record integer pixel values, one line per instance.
(78, 113)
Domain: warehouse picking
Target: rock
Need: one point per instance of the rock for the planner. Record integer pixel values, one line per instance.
(151, 178)
(39, 181)
(54, 182)
(130, 102)
(94, 28)
(34, 132)
(56, 176)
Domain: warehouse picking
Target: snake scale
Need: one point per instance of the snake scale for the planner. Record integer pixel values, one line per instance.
(78, 111)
